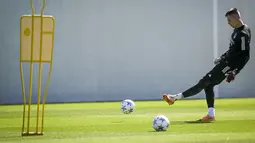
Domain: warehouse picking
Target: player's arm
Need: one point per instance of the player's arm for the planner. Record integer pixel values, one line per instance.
(241, 51)
(225, 56)
(241, 46)
(233, 51)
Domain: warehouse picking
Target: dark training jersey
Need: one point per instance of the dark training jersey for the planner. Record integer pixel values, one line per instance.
(239, 48)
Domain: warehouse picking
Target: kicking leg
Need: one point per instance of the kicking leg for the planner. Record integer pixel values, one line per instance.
(214, 77)
(202, 84)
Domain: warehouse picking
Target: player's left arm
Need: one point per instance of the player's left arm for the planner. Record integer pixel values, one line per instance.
(242, 51)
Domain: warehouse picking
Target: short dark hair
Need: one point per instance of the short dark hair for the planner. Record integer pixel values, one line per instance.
(231, 11)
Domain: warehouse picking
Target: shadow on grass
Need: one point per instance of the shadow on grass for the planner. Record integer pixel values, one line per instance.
(188, 122)
(197, 122)
(183, 122)
(153, 131)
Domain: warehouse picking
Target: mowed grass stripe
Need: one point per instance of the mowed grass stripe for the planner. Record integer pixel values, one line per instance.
(226, 103)
(144, 138)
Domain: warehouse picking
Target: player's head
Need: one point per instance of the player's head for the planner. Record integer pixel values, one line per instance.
(234, 18)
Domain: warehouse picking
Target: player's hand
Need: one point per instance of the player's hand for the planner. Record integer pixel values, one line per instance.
(230, 76)
(217, 61)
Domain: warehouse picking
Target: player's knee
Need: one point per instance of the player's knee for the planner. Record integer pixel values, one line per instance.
(209, 87)
(203, 83)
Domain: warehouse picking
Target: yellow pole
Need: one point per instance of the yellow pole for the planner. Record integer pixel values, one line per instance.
(40, 67)
(45, 94)
(22, 83)
(48, 79)
(31, 67)
(47, 83)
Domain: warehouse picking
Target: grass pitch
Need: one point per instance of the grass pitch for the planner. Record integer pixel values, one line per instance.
(105, 123)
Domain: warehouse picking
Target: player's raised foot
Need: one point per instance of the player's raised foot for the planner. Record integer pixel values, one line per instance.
(169, 98)
(206, 118)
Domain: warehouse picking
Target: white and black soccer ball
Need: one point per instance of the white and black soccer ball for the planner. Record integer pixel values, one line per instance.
(160, 123)
(127, 106)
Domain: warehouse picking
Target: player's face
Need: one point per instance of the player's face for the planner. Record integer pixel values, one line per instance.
(232, 21)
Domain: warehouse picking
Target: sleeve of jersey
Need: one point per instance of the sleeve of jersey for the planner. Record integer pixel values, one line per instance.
(238, 50)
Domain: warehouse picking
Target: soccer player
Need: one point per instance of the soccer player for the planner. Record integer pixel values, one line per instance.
(227, 66)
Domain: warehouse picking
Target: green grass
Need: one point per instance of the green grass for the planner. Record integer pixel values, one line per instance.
(105, 123)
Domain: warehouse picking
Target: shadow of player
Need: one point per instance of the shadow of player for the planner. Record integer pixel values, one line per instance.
(189, 122)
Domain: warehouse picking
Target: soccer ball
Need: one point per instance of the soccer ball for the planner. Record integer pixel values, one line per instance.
(160, 123)
(127, 106)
